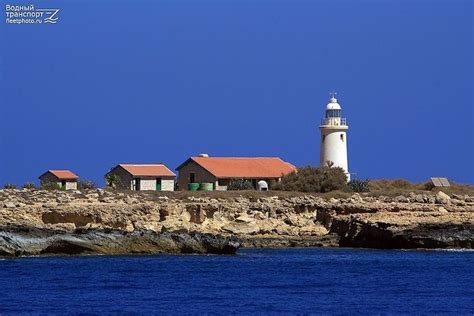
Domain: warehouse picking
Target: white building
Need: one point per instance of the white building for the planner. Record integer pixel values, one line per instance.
(334, 137)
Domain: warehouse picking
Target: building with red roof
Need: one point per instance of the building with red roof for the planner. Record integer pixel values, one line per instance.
(65, 179)
(262, 172)
(143, 177)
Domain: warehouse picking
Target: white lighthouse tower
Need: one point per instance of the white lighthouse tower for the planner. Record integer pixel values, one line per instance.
(334, 137)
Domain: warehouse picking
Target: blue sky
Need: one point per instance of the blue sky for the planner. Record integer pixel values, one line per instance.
(159, 81)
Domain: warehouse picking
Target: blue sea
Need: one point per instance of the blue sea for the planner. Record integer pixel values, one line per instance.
(255, 281)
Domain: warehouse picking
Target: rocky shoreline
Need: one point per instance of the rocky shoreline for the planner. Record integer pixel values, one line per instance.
(39, 222)
(21, 241)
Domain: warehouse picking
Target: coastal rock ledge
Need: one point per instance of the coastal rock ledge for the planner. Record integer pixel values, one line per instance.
(21, 241)
(37, 222)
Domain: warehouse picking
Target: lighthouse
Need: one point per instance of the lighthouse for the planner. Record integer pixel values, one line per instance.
(334, 137)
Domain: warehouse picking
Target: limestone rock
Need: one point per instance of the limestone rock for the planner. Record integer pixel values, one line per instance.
(131, 201)
(401, 199)
(245, 218)
(442, 198)
(259, 220)
(241, 228)
(442, 210)
(9, 204)
(356, 198)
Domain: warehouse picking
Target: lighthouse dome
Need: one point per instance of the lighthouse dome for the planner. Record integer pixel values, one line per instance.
(333, 105)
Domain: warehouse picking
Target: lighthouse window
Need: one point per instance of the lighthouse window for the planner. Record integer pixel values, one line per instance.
(342, 137)
(333, 113)
(323, 138)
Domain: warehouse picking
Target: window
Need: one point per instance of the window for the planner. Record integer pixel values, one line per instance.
(333, 113)
(323, 138)
(342, 137)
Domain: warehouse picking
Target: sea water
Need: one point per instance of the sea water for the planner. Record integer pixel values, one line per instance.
(255, 281)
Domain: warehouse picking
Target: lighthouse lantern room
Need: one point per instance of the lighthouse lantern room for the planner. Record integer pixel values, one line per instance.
(334, 137)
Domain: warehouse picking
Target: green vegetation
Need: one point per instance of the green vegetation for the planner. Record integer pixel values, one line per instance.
(113, 181)
(50, 186)
(240, 184)
(357, 185)
(9, 186)
(86, 185)
(311, 179)
(29, 185)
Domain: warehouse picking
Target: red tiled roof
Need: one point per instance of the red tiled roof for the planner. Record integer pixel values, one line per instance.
(148, 170)
(64, 174)
(245, 167)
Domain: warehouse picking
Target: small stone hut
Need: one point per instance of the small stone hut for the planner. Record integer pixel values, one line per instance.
(144, 177)
(65, 179)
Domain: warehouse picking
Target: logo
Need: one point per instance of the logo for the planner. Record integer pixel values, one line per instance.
(52, 15)
(28, 14)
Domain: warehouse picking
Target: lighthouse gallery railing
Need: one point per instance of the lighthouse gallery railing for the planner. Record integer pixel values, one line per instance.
(334, 121)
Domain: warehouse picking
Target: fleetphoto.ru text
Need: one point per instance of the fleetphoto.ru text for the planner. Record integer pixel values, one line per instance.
(29, 14)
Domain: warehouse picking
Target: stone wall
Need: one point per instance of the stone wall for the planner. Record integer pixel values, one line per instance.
(51, 178)
(125, 177)
(201, 175)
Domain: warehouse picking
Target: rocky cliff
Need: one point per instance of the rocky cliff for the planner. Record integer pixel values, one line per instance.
(98, 221)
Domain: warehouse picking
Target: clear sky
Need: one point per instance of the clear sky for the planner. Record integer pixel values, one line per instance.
(159, 81)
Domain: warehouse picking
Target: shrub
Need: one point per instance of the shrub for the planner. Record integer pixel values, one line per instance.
(86, 185)
(113, 181)
(29, 185)
(9, 186)
(357, 185)
(311, 179)
(50, 186)
(429, 186)
(240, 184)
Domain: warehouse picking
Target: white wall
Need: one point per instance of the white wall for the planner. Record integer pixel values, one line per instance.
(147, 184)
(333, 148)
(71, 185)
(167, 185)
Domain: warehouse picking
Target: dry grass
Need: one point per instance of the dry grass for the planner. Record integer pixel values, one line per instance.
(394, 184)
(460, 189)
(385, 187)
(395, 187)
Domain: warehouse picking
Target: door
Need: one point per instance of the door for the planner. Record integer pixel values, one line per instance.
(136, 186)
(158, 184)
(63, 184)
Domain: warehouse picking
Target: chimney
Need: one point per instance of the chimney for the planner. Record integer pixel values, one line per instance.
(203, 155)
